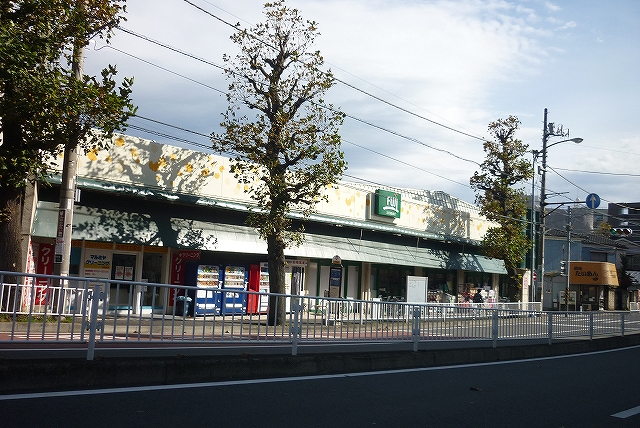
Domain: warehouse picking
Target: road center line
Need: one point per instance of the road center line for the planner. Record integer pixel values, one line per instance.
(119, 390)
(625, 414)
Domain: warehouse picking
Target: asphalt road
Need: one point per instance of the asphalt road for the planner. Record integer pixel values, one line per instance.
(587, 390)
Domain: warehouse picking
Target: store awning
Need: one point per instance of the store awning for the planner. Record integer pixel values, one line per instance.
(108, 225)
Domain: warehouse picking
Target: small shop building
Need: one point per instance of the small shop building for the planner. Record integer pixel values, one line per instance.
(592, 286)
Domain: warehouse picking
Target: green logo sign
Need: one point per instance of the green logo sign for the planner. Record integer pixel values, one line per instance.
(387, 203)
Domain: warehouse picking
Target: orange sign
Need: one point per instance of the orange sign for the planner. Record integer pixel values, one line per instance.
(594, 273)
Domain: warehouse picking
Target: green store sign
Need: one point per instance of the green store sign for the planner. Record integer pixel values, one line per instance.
(387, 203)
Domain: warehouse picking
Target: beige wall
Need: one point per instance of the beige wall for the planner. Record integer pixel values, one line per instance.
(138, 162)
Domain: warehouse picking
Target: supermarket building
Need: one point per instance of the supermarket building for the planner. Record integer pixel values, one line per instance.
(156, 213)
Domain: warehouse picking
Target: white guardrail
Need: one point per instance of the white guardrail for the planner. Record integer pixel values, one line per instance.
(50, 308)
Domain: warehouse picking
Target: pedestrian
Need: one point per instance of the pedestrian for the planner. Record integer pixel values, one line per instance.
(477, 298)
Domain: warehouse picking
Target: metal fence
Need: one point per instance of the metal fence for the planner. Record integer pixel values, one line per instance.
(89, 312)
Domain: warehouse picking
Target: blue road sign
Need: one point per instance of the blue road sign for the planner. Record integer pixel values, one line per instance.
(593, 201)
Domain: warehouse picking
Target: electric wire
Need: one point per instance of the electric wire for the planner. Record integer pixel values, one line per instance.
(236, 27)
(363, 121)
(381, 128)
(350, 116)
(165, 69)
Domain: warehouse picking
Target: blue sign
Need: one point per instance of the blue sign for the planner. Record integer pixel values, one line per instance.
(593, 201)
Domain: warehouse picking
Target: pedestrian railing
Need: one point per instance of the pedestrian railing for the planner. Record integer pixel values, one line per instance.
(94, 311)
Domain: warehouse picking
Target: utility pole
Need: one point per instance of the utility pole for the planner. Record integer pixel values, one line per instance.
(548, 130)
(62, 252)
(568, 264)
(532, 285)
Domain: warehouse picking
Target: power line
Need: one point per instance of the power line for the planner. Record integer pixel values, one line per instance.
(166, 46)
(236, 27)
(405, 163)
(218, 90)
(599, 172)
(165, 69)
(412, 139)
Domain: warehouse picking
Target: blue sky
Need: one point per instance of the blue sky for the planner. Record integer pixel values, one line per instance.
(460, 63)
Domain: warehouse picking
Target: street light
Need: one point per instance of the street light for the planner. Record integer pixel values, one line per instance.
(548, 130)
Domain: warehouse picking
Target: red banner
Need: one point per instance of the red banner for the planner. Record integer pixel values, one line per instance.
(44, 265)
(178, 266)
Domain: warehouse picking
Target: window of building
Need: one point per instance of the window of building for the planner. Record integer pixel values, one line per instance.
(598, 256)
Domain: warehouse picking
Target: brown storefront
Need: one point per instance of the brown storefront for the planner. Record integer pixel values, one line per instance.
(594, 284)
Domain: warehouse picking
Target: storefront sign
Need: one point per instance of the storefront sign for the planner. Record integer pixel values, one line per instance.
(178, 264)
(593, 273)
(178, 267)
(97, 264)
(387, 204)
(335, 280)
(44, 265)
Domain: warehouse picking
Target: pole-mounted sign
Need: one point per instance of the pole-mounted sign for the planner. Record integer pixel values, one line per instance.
(592, 201)
(335, 277)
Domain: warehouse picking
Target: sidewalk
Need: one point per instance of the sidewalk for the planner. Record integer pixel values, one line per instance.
(28, 374)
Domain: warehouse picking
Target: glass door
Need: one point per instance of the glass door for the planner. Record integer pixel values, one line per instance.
(121, 294)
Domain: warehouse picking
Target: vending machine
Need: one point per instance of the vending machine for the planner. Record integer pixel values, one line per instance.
(234, 298)
(209, 295)
(263, 302)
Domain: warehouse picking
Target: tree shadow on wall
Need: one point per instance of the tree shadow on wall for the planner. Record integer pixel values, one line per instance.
(135, 164)
(159, 229)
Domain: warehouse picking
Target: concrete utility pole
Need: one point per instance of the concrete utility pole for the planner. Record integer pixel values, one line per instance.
(62, 253)
(548, 130)
(543, 182)
(532, 282)
(568, 264)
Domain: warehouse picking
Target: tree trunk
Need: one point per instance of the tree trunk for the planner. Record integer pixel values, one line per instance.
(275, 250)
(10, 215)
(10, 234)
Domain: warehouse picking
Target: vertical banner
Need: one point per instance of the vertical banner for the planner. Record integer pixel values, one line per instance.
(44, 265)
(59, 249)
(178, 260)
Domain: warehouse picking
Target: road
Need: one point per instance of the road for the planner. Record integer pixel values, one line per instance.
(587, 390)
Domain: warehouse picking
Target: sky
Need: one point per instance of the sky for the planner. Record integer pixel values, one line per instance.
(423, 78)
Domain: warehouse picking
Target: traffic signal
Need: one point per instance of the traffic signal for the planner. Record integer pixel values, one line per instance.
(563, 268)
(618, 232)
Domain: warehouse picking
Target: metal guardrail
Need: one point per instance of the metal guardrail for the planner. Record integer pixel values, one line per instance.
(90, 311)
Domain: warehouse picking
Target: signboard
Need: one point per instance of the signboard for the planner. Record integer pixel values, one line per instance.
(59, 248)
(335, 280)
(572, 297)
(178, 266)
(417, 289)
(593, 273)
(44, 265)
(97, 263)
(387, 204)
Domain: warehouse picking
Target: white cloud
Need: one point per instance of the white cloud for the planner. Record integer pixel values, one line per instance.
(461, 63)
(570, 24)
(552, 7)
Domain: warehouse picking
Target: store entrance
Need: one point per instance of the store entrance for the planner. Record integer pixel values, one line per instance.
(120, 294)
(152, 296)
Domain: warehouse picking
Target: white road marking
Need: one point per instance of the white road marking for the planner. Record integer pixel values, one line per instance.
(625, 414)
(26, 396)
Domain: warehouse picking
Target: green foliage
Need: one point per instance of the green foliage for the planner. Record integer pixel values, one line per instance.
(500, 201)
(44, 106)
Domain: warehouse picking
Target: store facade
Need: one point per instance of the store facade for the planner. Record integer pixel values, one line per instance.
(155, 213)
